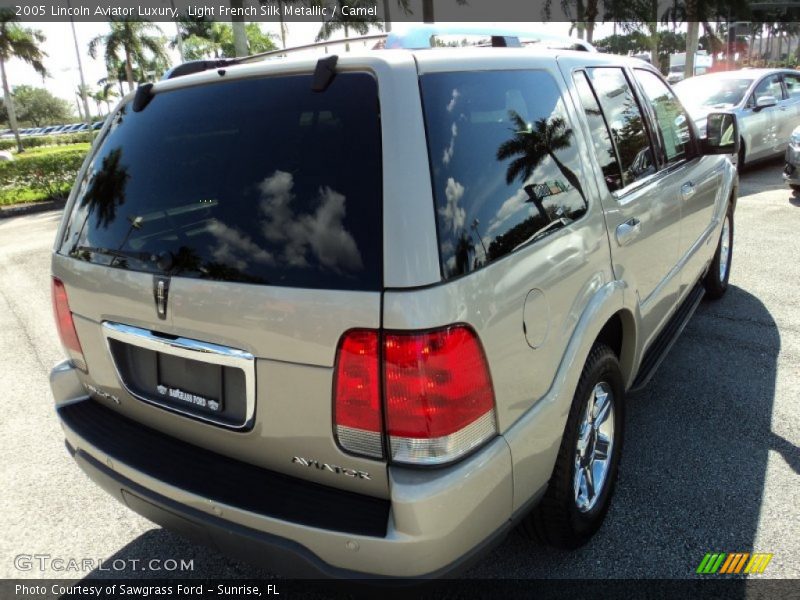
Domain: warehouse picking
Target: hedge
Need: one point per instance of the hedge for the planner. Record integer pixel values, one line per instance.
(48, 175)
(47, 140)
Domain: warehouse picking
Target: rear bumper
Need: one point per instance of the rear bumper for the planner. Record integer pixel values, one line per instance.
(436, 523)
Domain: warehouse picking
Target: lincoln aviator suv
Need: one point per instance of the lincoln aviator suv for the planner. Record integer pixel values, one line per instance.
(363, 315)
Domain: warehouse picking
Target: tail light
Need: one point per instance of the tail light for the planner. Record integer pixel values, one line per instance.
(357, 399)
(437, 393)
(65, 324)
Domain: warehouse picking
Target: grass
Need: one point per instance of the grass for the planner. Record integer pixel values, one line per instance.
(19, 194)
(43, 150)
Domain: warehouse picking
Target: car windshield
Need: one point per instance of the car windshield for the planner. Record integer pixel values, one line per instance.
(716, 92)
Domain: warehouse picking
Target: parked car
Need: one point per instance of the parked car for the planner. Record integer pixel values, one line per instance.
(791, 172)
(380, 347)
(766, 103)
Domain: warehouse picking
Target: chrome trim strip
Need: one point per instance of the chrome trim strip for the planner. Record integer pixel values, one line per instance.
(191, 349)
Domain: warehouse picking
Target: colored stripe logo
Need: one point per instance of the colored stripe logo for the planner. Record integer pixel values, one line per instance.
(733, 563)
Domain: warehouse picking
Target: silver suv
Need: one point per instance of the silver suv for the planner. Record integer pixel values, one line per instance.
(364, 316)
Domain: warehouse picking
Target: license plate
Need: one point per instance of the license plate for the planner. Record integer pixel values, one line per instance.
(185, 397)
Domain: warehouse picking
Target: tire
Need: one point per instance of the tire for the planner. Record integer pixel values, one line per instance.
(716, 280)
(795, 187)
(566, 517)
(740, 159)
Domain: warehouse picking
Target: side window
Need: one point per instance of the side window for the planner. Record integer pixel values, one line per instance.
(769, 86)
(505, 166)
(625, 121)
(792, 83)
(601, 137)
(671, 118)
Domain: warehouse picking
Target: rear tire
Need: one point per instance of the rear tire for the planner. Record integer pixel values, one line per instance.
(716, 280)
(795, 187)
(582, 484)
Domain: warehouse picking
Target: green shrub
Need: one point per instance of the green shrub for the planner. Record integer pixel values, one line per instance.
(47, 140)
(40, 176)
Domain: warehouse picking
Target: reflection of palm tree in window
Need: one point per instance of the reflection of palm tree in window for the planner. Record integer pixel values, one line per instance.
(531, 144)
(107, 189)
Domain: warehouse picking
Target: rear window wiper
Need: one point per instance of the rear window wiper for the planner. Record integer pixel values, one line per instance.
(144, 257)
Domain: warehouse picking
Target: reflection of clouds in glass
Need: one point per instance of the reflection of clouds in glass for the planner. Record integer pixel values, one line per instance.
(448, 152)
(454, 215)
(322, 233)
(508, 209)
(453, 99)
(235, 248)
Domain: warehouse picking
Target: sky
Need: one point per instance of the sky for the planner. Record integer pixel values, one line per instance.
(62, 65)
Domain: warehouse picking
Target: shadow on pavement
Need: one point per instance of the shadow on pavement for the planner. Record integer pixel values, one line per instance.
(691, 477)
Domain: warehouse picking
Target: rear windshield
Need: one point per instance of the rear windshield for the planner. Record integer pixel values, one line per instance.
(259, 181)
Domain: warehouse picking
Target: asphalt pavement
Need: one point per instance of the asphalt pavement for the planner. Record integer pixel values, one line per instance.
(711, 462)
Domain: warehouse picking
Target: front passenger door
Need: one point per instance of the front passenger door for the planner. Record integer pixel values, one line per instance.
(698, 178)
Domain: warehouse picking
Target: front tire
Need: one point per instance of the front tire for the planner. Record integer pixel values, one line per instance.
(582, 484)
(716, 280)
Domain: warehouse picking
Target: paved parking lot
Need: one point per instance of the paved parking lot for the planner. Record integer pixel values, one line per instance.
(712, 457)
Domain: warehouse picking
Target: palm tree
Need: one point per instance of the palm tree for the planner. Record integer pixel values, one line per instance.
(531, 144)
(17, 42)
(360, 25)
(139, 42)
(106, 94)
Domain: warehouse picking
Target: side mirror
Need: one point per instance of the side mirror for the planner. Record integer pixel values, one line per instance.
(765, 101)
(722, 134)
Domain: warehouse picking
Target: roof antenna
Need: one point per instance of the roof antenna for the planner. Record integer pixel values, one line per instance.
(144, 93)
(324, 73)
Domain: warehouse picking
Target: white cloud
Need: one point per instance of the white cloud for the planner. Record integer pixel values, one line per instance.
(321, 233)
(235, 248)
(454, 215)
(448, 152)
(507, 209)
(453, 99)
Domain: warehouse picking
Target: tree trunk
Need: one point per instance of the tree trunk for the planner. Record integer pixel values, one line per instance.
(283, 24)
(129, 70)
(387, 18)
(239, 33)
(12, 114)
(692, 38)
(346, 36)
(427, 11)
(654, 41)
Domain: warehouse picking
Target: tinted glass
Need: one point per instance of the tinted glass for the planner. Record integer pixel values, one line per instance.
(671, 119)
(792, 83)
(601, 138)
(259, 180)
(506, 169)
(626, 123)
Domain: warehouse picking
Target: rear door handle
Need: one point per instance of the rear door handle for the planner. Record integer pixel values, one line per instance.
(628, 231)
(687, 190)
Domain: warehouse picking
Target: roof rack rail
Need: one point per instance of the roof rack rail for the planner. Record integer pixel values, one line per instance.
(418, 37)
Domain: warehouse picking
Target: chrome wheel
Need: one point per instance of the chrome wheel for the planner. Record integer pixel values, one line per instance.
(724, 249)
(594, 448)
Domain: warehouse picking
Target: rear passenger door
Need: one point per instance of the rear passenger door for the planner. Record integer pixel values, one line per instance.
(642, 207)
